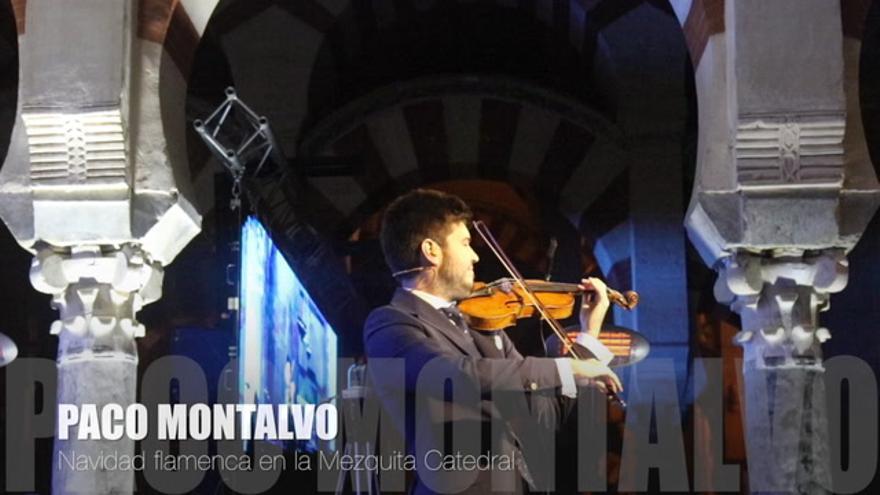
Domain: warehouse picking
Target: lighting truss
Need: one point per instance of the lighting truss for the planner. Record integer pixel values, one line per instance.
(239, 139)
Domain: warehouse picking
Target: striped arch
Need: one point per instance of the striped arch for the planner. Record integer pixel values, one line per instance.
(586, 93)
(316, 56)
(327, 62)
(309, 46)
(310, 66)
(311, 38)
(439, 129)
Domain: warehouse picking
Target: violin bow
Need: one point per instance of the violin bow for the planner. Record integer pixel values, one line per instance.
(508, 265)
(560, 332)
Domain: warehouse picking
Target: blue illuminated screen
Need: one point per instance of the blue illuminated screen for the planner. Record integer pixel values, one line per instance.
(287, 348)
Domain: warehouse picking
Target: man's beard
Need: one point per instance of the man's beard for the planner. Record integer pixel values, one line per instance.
(455, 284)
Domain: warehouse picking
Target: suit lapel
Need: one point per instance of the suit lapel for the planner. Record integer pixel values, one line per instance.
(434, 318)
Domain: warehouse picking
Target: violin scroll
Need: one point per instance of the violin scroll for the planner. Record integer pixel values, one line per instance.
(626, 300)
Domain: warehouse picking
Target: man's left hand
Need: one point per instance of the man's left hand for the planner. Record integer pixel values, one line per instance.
(594, 305)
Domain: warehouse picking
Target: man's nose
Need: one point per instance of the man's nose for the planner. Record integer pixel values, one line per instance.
(475, 257)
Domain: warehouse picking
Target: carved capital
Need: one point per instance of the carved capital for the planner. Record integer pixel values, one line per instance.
(778, 300)
(97, 291)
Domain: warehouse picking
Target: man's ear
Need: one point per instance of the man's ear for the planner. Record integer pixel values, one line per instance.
(431, 252)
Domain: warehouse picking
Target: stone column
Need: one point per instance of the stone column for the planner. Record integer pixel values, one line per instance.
(778, 300)
(97, 292)
(784, 189)
(96, 185)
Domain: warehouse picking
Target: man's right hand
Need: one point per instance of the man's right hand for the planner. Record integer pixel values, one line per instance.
(592, 369)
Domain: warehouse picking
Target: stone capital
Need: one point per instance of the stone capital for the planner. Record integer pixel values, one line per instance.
(97, 291)
(778, 300)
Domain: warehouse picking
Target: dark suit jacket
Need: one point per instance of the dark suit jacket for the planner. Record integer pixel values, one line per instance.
(497, 397)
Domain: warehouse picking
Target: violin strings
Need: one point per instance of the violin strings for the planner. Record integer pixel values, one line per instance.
(487, 236)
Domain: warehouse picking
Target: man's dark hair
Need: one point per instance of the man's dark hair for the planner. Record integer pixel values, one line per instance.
(418, 215)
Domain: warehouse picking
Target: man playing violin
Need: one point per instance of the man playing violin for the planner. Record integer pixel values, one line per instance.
(457, 379)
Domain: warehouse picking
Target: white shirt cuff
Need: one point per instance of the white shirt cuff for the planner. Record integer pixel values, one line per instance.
(566, 376)
(596, 347)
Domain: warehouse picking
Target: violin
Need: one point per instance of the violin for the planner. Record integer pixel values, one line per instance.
(525, 293)
(497, 305)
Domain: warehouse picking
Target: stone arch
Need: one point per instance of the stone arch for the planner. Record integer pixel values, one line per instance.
(313, 42)
(454, 127)
(373, 44)
(312, 58)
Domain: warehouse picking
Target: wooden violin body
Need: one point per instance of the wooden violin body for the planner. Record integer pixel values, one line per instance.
(510, 296)
(497, 305)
